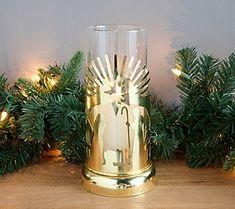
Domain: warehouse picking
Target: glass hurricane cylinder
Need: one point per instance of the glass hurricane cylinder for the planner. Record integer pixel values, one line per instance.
(117, 112)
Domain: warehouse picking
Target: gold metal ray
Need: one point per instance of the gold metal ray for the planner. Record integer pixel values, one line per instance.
(139, 87)
(94, 78)
(144, 78)
(123, 66)
(138, 76)
(97, 72)
(102, 68)
(143, 90)
(115, 66)
(129, 67)
(109, 67)
(135, 70)
(90, 86)
(91, 78)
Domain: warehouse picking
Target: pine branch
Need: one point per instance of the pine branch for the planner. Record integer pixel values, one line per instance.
(66, 115)
(222, 104)
(67, 124)
(3, 83)
(225, 77)
(32, 120)
(14, 158)
(198, 156)
(26, 89)
(15, 153)
(73, 147)
(3, 91)
(229, 163)
(68, 78)
(163, 147)
(23, 136)
(187, 62)
(206, 99)
(166, 133)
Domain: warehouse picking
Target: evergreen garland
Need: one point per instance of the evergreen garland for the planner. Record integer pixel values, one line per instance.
(166, 133)
(49, 113)
(207, 88)
(42, 115)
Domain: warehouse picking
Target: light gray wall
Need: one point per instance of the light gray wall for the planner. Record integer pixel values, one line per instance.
(35, 33)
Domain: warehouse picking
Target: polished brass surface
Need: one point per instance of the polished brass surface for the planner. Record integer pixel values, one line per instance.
(118, 124)
(119, 185)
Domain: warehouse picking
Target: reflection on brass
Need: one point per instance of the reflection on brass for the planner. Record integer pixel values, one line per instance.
(128, 134)
(118, 123)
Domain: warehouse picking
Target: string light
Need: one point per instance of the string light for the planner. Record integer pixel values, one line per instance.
(179, 73)
(52, 81)
(3, 115)
(36, 78)
(176, 71)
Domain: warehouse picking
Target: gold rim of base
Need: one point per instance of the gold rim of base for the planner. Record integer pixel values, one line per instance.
(119, 185)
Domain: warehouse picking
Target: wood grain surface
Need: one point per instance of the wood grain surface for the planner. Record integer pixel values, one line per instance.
(54, 184)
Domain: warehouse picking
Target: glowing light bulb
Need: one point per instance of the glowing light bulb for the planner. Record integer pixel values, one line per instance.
(53, 82)
(176, 71)
(3, 115)
(36, 78)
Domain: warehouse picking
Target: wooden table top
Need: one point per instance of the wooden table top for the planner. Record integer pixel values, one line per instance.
(55, 184)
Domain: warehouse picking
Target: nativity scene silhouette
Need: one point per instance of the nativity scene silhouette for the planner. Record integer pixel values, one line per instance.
(117, 119)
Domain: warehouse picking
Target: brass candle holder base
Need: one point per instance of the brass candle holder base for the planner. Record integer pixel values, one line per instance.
(121, 185)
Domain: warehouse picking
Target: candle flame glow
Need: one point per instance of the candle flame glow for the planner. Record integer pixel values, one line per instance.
(118, 91)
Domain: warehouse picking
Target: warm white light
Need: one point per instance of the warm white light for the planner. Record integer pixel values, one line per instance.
(36, 78)
(53, 82)
(3, 115)
(176, 71)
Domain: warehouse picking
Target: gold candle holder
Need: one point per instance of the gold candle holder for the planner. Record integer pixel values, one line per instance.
(117, 113)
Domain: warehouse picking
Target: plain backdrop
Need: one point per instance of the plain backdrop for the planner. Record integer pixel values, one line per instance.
(36, 33)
